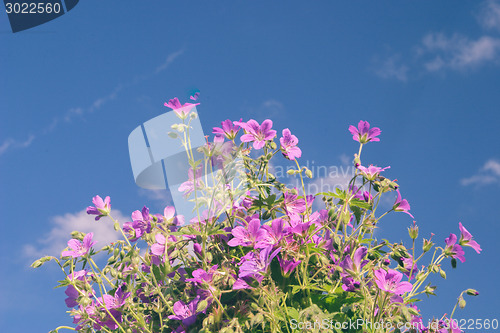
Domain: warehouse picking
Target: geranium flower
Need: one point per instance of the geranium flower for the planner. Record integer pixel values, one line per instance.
(228, 129)
(181, 110)
(185, 312)
(372, 172)
(390, 281)
(158, 248)
(273, 235)
(363, 133)
(188, 186)
(289, 145)
(254, 266)
(466, 239)
(258, 134)
(141, 224)
(454, 250)
(79, 249)
(409, 266)
(101, 207)
(293, 205)
(287, 266)
(248, 236)
(401, 205)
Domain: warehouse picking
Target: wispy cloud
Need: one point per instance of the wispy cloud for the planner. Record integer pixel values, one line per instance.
(54, 241)
(437, 52)
(79, 112)
(268, 109)
(170, 59)
(10, 143)
(489, 16)
(458, 52)
(488, 174)
(160, 198)
(392, 68)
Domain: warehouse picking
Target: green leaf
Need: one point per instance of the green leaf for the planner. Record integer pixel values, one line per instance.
(360, 203)
(293, 313)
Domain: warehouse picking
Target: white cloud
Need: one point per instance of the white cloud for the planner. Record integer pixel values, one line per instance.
(393, 69)
(489, 16)
(170, 59)
(488, 174)
(15, 144)
(55, 240)
(458, 52)
(268, 109)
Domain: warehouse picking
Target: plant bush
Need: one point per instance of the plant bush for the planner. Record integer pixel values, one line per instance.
(259, 258)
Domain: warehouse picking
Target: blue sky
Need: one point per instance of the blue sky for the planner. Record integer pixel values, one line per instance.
(427, 73)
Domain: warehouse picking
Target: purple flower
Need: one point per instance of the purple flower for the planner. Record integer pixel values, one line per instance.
(409, 266)
(254, 266)
(73, 295)
(188, 186)
(274, 234)
(293, 205)
(390, 281)
(349, 284)
(158, 248)
(140, 225)
(181, 110)
(258, 134)
(185, 312)
(353, 266)
(466, 239)
(287, 266)
(101, 207)
(454, 250)
(79, 249)
(195, 96)
(169, 214)
(401, 205)
(247, 236)
(363, 133)
(289, 145)
(116, 301)
(229, 129)
(372, 172)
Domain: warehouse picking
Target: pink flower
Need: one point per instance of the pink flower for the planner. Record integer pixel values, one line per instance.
(363, 133)
(466, 239)
(372, 172)
(229, 129)
(258, 134)
(181, 110)
(390, 281)
(454, 250)
(79, 249)
(401, 205)
(101, 207)
(289, 145)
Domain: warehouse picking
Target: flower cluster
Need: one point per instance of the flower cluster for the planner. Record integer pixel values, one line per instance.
(271, 256)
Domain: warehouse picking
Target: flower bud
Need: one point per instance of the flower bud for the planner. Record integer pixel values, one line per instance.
(309, 173)
(173, 135)
(472, 292)
(77, 235)
(427, 245)
(413, 231)
(461, 302)
(429, 290)
(273, 145)
(442, 273)
(193, 115)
